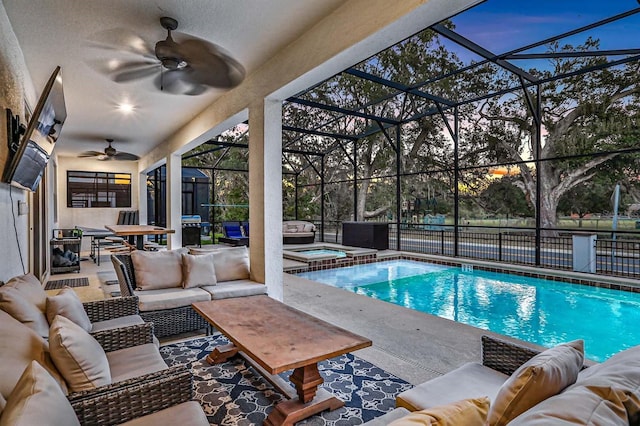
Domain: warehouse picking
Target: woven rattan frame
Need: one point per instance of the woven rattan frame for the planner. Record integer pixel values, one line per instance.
(129, 399)
(503, 356)
(102, 310)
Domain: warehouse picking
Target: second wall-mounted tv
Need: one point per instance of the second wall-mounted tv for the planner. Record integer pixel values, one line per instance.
(26, 166)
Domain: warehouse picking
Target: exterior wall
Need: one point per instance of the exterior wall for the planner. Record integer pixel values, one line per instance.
(15, 85)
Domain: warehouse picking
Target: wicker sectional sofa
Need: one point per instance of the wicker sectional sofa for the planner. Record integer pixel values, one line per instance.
(521, 385)
(169, 308)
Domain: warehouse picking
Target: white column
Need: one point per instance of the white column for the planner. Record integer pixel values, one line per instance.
(265, 194)
(142, 198)
(174, 200)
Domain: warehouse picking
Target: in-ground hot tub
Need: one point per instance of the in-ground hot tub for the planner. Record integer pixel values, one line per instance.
(320, 252)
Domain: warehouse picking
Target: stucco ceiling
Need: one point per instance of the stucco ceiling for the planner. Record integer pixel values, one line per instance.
(56, 32)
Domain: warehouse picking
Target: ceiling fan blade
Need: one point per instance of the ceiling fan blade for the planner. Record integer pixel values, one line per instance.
(113, 66)
(90, 154)
(211, 64)
(196, 89)
(136, 74)
(125, 156)
(122, 40)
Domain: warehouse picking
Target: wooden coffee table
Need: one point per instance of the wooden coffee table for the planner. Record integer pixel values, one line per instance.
(273, 338)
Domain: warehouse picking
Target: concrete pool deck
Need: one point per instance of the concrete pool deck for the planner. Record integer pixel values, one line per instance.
(412, 345)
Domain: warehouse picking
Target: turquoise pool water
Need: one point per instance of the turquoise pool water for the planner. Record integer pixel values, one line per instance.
(531, 309)
(337, 253)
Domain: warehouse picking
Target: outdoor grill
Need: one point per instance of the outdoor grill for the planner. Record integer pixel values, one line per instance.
(191, 225)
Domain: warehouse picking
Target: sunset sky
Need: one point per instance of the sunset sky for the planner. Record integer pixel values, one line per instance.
(502, 25)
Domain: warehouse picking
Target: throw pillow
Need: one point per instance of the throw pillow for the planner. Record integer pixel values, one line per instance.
(580, 405)
(13, 302)
(31, 288)
(468, 412)
(231, 264)
(156, 270)
(78, 356)
(621, 371)
(37, 400)
(198, 270)
(68, 304)
(544, 375)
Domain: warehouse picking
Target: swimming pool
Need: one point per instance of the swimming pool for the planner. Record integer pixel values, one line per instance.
(531, 309)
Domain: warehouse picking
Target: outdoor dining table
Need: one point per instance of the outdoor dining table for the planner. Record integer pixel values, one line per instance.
(138, 232)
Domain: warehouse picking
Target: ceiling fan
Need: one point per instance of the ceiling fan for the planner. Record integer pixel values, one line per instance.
(185, 65)
(110, 153)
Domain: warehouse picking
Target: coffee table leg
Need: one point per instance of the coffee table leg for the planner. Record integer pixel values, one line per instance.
(222, 353)
(310, 401)
(306, 381)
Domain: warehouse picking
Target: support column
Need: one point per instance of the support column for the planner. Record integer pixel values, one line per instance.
(142, 199)
(174, 200)
(265, 194)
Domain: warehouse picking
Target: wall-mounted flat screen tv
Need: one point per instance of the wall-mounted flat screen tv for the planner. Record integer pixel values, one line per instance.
(26, 166)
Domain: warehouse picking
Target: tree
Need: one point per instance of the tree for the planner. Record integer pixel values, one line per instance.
(502, 197)
(587, 122)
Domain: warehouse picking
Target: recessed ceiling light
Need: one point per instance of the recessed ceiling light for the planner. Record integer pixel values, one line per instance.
(126, 108)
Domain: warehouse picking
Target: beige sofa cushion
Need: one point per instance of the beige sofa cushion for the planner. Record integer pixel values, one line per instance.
(543, 376)
(78, 356)
(169, 298)
(581, 405)
(198, 271)
(188, 413)
(19, 346)
(156, 270)
(68, 304)
(18, 306)
(119, 322)
(31, 289)
(135, 361)
(478, 381)
(231, 263)
(3, 402)
(37, 400)
(238, 288)
(468, 412)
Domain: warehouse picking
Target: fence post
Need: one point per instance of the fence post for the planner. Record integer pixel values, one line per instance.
(500, 246)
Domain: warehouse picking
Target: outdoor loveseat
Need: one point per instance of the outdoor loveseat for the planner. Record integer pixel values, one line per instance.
(166, 283)
(298, 232)
(519, 385)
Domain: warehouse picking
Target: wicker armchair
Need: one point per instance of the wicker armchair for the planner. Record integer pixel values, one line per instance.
(167, 322)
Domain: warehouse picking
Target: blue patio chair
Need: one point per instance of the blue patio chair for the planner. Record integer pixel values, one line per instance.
(233, 234)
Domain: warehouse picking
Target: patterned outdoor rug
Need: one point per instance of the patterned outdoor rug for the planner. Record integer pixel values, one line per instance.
(233, 393)
(71, 282)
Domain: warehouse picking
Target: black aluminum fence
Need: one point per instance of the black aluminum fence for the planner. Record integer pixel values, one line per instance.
(619, 257)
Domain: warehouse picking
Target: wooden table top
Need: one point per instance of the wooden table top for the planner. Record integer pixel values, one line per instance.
(138, 230)
(277, 336)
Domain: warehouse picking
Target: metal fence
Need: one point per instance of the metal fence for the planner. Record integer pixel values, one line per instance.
(614, 257)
